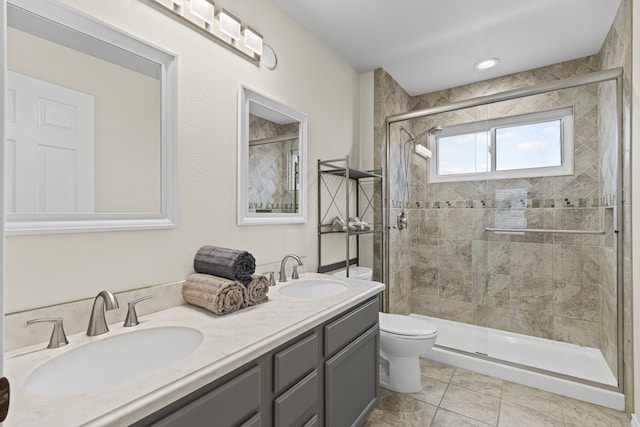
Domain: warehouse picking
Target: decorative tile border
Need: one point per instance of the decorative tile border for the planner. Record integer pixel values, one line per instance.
(609, 200)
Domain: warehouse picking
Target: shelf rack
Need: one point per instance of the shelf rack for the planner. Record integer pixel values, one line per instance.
(336, 175)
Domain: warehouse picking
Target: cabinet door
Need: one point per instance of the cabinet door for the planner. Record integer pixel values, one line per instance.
(228, 405)
(351, 381)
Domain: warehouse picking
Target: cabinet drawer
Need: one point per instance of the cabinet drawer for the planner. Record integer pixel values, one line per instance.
(228, 405)
(294, 362)
(348, 327)
(293, 404)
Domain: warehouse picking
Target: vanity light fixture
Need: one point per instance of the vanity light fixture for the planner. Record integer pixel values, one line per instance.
(228, 31)
(252, 39)
(229, 24)
(203, 9)
(486, 64)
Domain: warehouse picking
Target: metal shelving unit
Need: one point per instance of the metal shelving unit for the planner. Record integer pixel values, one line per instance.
(335, 176)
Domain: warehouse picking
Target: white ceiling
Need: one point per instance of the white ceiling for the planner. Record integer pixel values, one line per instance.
(428, 45)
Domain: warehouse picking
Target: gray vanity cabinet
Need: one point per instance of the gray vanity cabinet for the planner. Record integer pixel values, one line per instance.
(327, 376)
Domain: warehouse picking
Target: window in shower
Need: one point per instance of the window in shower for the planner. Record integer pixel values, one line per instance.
(527, 145)
(464, 153)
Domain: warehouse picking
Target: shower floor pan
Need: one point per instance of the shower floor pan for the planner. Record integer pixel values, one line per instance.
(526, 360)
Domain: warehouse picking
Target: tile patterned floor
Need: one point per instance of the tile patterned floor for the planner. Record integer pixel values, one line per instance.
(455, 397)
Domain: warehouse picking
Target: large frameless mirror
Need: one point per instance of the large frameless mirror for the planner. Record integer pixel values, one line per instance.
(271, 161)
(90, 125)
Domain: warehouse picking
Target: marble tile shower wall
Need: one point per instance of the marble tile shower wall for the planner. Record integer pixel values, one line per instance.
(390, 99)
(534, 284)
(268, 167)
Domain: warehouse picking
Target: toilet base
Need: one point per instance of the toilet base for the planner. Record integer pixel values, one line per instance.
(401, 374)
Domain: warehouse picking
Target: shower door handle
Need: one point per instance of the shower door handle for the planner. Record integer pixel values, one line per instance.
(544, 230)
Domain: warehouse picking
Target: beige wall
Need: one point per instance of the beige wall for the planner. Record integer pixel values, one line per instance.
(44, 270)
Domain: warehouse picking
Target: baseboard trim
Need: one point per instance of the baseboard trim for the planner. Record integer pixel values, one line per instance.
(635, 422)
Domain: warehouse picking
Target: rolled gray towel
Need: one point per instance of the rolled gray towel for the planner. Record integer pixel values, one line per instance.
(228, 263)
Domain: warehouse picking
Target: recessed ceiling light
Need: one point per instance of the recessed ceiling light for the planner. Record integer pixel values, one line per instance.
(487, 63)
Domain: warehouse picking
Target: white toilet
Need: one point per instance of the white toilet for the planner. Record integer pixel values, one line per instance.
(402, 340)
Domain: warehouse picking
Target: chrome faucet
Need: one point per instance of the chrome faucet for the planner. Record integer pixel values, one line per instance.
(97, 322)
(283, 275)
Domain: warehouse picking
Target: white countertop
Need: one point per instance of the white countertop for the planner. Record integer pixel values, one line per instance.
(229, 342)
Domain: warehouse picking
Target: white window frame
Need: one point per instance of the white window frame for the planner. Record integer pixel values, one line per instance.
(565, 115)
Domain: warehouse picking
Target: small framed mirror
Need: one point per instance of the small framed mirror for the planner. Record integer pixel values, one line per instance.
(272, 161)
(91, 125)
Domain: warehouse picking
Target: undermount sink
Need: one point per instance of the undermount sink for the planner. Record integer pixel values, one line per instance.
(313, 288)
(113, 360)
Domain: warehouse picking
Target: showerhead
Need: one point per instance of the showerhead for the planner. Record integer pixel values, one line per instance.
(436, 130)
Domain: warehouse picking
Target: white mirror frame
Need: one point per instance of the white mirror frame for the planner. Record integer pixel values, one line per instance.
(246, 97)
(21, 224)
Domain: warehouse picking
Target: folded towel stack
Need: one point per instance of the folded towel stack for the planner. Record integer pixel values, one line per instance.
(354, 224)
(224, 281)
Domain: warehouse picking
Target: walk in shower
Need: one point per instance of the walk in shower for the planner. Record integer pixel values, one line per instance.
(508, 237)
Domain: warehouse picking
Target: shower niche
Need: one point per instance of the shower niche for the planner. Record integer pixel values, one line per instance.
(513, 242)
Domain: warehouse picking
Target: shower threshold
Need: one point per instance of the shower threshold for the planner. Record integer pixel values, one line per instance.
(567, 369)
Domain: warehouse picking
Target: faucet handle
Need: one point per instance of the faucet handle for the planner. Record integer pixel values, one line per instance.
(132, 316)
(295, 275)
(58, 337)
(272, 278)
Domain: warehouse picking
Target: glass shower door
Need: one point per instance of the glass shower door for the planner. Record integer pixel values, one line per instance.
(549, 297)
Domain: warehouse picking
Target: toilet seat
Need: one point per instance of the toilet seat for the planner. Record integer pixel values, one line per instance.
(406, 327)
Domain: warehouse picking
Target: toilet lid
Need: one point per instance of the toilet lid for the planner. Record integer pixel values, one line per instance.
(405, 325)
